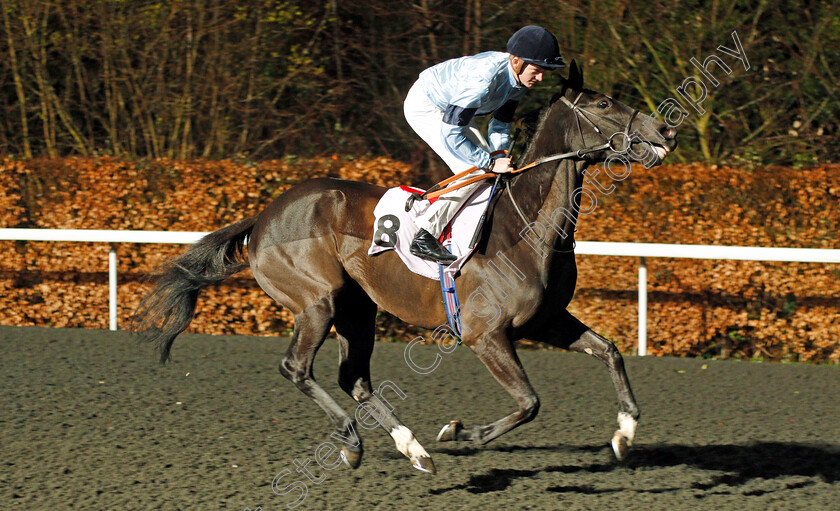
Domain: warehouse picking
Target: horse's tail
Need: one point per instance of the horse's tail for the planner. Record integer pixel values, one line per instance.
(168, 309)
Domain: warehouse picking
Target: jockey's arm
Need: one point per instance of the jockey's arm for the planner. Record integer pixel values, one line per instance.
(498, 132)
(457, 117)
(456, 121)
(498, 135)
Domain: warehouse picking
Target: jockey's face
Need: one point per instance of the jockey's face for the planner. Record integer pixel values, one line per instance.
(531, 75)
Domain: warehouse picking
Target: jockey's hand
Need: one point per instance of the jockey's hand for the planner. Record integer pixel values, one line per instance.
(502, 166)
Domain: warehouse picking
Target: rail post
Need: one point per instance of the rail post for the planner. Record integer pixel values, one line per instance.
(112, 287)
(642, 307)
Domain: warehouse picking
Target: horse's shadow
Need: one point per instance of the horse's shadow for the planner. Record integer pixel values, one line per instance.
(740, 463)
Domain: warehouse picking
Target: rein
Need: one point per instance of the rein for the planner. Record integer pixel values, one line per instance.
(442, 187)
(624, 139)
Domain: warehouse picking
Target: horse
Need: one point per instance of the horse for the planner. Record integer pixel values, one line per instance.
(308, 251)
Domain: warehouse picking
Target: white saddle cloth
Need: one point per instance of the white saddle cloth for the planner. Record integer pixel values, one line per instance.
(394, 228)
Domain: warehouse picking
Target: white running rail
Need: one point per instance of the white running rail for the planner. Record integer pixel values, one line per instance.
(601, 248)
(102, 236)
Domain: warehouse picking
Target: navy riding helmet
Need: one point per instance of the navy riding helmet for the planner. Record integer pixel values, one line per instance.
(537, 46)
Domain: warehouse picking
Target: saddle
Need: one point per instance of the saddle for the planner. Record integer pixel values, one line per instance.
(395, 228)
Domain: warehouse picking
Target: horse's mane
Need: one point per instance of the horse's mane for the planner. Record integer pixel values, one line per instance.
(533, 122)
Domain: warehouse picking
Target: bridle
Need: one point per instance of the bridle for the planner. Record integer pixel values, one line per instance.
(449, 184)
(580, 153)
(582, 114)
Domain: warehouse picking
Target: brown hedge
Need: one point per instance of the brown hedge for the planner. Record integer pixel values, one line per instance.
(776, 311)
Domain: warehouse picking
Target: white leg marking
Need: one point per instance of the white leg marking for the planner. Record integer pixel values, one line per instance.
(627, 426)
(442, 431)
(407, 444)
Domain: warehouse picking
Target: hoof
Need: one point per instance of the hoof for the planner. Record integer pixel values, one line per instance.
(620, 445)
(351, 458)
(450, 432)
(424, 464)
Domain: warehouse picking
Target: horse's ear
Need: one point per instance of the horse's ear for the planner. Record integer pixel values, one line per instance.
(575, 79)
(573, 82)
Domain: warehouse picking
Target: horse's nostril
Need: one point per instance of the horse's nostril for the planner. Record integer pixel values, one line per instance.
(668, 132)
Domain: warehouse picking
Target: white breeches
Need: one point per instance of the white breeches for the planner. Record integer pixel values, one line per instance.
(426, 119)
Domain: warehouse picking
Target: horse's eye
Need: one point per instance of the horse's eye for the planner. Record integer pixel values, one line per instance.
(603, 104)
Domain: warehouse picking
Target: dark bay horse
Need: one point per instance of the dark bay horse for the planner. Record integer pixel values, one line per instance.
(308, 251)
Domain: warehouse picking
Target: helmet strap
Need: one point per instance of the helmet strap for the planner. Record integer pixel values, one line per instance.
(517, 67)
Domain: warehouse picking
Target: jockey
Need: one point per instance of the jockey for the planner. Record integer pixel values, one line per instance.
(442, 103)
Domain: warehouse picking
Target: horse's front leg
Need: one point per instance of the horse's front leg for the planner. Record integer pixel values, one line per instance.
(569, 333)
(496, 352)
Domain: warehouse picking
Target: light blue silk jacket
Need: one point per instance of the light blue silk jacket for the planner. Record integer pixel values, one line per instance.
(473, 86)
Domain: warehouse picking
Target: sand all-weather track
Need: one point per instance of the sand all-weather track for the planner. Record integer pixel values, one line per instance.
(90, 421)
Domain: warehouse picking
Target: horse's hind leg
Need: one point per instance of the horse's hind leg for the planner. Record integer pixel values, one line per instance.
(355, 324)
(311, 328)
(573, 335)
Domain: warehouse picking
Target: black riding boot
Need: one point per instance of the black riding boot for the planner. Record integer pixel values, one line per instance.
(426, 246)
